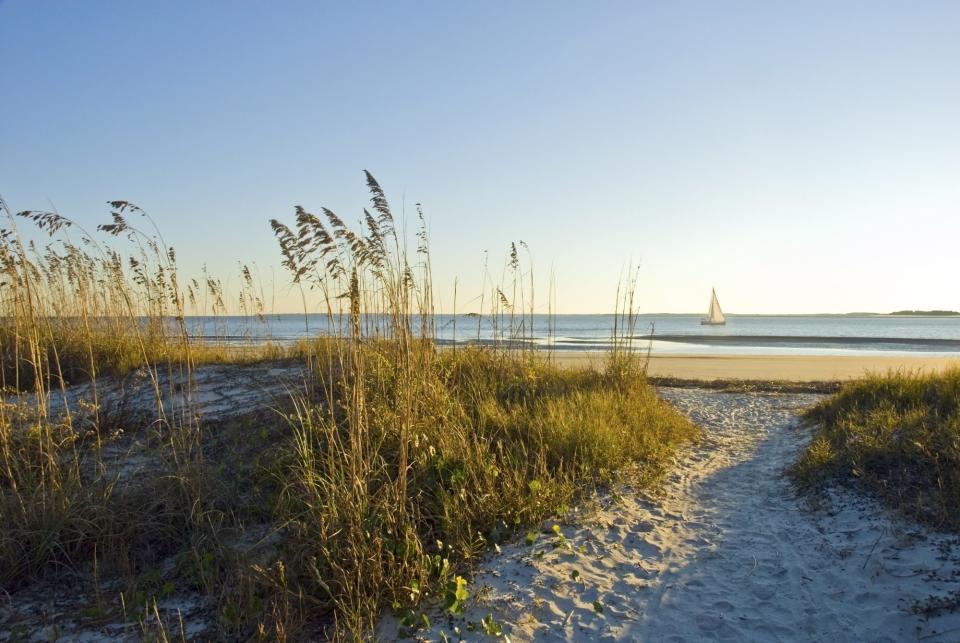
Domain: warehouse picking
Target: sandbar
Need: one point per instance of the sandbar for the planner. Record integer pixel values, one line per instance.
(794, 368)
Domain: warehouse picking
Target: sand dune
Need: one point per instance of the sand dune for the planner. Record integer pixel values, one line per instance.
(724, 551)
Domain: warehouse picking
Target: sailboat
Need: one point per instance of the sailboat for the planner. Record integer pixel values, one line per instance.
(714, 314)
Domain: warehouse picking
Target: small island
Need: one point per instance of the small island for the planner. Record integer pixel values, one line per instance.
(927, 313)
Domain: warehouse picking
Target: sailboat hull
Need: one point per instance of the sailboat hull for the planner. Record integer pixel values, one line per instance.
(707, 322)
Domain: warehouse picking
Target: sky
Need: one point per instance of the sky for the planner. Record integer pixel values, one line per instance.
(799, 157)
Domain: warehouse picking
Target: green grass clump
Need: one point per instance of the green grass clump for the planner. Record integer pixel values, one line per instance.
(489, 444)
(899, 434)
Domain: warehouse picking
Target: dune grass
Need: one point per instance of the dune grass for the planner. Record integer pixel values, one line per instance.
(494, 443)
(377, 487)
(899, 435)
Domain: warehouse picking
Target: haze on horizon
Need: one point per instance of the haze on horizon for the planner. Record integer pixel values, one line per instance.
(800, 159)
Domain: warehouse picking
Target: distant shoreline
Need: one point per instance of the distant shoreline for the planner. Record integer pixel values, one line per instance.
(925, 313)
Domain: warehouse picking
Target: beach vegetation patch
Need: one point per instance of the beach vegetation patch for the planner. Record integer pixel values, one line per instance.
(376, 484)
(897, 434)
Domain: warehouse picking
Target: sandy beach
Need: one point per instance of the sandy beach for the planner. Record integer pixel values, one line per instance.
(724, 550)
(796, 368)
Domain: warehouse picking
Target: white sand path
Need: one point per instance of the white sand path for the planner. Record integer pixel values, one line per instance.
(723, 551)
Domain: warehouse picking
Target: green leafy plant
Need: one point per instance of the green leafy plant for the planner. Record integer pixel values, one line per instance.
(491, 627)
(456, 595)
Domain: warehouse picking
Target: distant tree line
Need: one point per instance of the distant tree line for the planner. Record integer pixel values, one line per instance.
(928, 313)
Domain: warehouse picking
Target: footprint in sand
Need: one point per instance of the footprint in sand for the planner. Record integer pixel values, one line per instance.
(763, 592)
(708, 622)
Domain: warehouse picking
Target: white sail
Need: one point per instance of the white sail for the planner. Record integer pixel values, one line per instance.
(714, 314)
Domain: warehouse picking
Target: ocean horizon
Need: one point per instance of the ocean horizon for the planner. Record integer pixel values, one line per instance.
(661, 333)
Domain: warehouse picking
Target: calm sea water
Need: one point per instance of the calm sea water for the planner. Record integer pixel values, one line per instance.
(683, 334)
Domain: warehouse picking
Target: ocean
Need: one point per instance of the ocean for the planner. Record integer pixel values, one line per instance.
(662, 334)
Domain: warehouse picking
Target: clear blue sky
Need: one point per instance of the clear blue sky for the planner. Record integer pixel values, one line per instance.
(801, 157)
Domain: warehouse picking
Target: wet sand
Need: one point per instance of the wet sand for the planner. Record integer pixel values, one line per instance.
(796, 368)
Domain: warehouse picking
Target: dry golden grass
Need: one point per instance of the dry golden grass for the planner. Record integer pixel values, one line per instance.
(383, 482)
